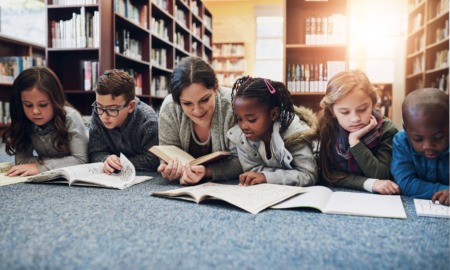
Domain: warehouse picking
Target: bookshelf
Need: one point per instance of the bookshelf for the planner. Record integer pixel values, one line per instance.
(15, 56)
(228, 61)
(427, 45)
(146, 38)
(315, 48)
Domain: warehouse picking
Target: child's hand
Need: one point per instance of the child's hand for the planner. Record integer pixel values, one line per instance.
(355, 136)
(171, 171)
(251, 178)
(442, 197)
(23, 170)
(386, 187)
(112, 164)
(192, 174)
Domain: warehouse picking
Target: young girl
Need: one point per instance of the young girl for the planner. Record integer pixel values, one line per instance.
(42, 122)
(355, 140)
(273, 138)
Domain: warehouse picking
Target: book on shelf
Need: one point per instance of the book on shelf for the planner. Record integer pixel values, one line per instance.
(252, 199)
(346, 203)
(426, 208)
(90, 175)
(170, 152)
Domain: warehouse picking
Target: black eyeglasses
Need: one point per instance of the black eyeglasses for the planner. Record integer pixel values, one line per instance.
(109, 111)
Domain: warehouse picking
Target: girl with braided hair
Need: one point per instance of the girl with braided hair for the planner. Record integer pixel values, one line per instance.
(274, 139)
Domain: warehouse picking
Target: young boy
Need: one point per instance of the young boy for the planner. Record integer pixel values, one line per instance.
(121, 123)
(420, 157)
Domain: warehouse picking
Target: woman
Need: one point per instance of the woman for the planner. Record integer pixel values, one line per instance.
(195, 118)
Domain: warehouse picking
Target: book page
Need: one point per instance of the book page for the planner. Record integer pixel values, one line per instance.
(170, 152)
(365, 204)
(427, 208)
(9, 180)
(250, 198)
(315, 197)
(92, 174)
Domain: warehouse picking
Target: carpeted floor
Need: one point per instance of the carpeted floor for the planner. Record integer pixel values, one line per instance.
(45, 226)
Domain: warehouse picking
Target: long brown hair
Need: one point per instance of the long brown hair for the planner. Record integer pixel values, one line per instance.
(339, 86)
(17, 137)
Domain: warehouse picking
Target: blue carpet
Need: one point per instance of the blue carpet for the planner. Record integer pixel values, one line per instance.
(44, 226)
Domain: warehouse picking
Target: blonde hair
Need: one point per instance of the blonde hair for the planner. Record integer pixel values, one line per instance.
(339, 86)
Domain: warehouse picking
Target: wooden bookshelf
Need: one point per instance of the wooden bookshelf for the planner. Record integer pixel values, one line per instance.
(427, 45)
(138, 36)
(228, 61)
(13, 47)
(315, 48)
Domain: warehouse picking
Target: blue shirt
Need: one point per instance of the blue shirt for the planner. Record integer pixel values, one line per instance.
(417, 175)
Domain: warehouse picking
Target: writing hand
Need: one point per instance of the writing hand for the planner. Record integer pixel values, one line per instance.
(251, 178)
(442, 197)
(112, 164)
(355, 136)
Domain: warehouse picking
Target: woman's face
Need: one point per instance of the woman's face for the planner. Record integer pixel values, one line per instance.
(37, 106)
(199, 103)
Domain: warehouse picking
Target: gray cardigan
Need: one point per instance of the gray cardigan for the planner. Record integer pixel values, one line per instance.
(175, 129)
(136, 135)
(49, 157)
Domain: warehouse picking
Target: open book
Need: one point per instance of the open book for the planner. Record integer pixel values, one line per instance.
(169, 152)
(347, 203)
(427, 208)
(252, 199)
(91, 174)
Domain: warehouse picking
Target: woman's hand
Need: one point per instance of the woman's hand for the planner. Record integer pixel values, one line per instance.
(23, 170)
(172, 170)
(251, 178)
(112, 164)
(192, 174)
(386, 187)
(355, 136)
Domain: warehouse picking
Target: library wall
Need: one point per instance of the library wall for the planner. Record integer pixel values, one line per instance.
(234, 21)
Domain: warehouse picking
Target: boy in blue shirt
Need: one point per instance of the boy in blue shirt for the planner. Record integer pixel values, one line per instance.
(420, 156)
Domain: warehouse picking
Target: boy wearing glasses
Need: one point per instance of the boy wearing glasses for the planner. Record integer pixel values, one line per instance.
(121, 123)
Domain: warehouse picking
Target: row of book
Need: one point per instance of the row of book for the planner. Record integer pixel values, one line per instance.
(162, 4)
(227, 50)
(12, 66)
(159, 27)
(229, 65)
(418, 64)
(90, 74)
(159, 86)
(442, 33)
(5, 117)
(82, 31)
(306, 77)
(180, 16)
(135, 13)
(325, 30)
(128, 46)
(179, 39)
(227, 79)
(75, 2)
(441, 60)
(159, 57)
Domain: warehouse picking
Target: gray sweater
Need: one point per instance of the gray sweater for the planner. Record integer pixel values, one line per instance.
(175, 129)
(136, 135)
(49, 157)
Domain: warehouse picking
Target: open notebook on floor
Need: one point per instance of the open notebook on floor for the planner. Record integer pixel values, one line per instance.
(346, 203)
(427, 208)
(90, 174)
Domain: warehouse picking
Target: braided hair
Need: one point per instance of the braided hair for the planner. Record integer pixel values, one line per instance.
(268, 93)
